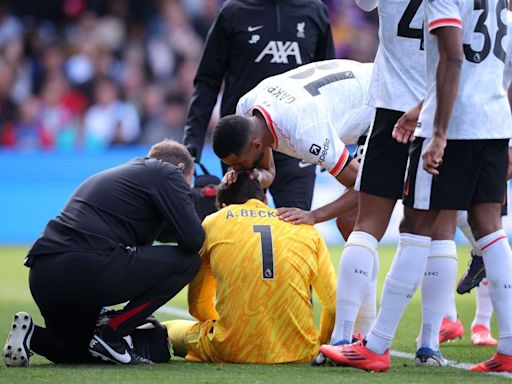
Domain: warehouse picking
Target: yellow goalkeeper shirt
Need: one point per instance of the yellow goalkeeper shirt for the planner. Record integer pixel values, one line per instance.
(255, 281)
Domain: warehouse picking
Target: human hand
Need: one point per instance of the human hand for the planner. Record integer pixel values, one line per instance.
(194, 152)
(230, 177)
(404, 128)
(433, 156)
(296, 216)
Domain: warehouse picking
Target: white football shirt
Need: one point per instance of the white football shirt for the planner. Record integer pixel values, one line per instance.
(312, 109)
(481, 110)
(507, 76)
(398, 79)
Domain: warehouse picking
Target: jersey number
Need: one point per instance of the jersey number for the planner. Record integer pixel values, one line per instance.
(313, 88)
(267, 250)
(479, 56)
(404, 25)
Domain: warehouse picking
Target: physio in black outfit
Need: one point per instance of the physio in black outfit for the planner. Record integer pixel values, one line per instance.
(98, 252)
(249, 41)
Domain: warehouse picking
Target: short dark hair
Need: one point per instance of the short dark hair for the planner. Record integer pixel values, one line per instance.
(172, 152)
(231, 135)
(239, 192)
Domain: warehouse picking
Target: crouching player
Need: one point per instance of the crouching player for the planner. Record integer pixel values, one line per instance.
(260, 270)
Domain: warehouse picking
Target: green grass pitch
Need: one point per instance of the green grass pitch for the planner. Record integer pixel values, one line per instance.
(15, 296)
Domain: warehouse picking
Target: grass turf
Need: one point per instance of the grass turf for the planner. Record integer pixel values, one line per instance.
(15, 296)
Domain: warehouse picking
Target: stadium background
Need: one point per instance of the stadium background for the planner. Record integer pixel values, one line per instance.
(85, 85)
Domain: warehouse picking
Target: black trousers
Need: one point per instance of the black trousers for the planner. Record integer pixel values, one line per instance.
(71, 288)
(294, 182)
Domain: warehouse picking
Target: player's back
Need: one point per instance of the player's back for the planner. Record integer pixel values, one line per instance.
(326, 92)
(398, 80)
(263, 268)
(338, 86)
(481, 109)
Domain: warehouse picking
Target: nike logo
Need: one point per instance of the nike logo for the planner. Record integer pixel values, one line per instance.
(252, 29)
(303, 164)
(124, 358)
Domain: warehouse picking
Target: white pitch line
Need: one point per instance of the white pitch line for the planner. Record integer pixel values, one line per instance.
(452, 364)
(175, 311)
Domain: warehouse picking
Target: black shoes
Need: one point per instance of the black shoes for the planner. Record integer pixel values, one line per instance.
(106, 345)
(17, 347)
(473, 276)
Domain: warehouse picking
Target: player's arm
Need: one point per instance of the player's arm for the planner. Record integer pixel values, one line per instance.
(342, 166)
(451, 55)
(341, 207)
(266, 172)
(324, 284)
(201, 290)
(367, 5)
(207, 84)
(403, 131)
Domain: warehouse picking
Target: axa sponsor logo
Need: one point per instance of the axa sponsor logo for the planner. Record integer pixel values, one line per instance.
(281, 52)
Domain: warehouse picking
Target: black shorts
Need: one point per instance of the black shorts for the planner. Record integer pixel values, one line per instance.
(473, 172)
(382, 170)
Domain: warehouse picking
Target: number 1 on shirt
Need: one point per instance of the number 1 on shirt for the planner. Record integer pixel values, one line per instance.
(267, 250)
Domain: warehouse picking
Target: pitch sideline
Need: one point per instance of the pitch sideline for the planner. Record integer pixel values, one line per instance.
(175, 311)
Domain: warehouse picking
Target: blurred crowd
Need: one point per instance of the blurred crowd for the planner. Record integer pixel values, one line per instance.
(87, 74)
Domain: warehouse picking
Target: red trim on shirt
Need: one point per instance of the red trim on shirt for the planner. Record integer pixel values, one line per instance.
(492, 242)
(341, 163)
(447, 22)
(270, 124)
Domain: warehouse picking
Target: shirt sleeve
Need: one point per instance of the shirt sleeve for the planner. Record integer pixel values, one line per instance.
(207, 82)
(325, 286)
(367, 5)
(174, 199)
(443, 13)
(201, 290)
(320, 144)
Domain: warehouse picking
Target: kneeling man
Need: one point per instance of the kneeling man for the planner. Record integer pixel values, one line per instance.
(99, 252)
(260, 270)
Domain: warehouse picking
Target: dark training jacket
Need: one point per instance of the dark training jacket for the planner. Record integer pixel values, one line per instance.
(249, 41)
(130, 205)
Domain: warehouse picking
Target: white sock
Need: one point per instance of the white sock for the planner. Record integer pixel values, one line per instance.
(354, 277)
(451, 308)
(483, 305)
(498, 265)
(402, 281)
(368, 311)
(462, 223)
(436, 290)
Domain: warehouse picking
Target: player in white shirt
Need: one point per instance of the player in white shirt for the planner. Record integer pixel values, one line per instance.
(397, 85)
(464, 125)
(475, 275)
(309, 113)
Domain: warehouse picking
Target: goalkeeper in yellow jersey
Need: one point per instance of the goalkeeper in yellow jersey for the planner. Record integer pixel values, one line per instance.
(252, 295)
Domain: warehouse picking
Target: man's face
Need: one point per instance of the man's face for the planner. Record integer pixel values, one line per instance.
(248, 159)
